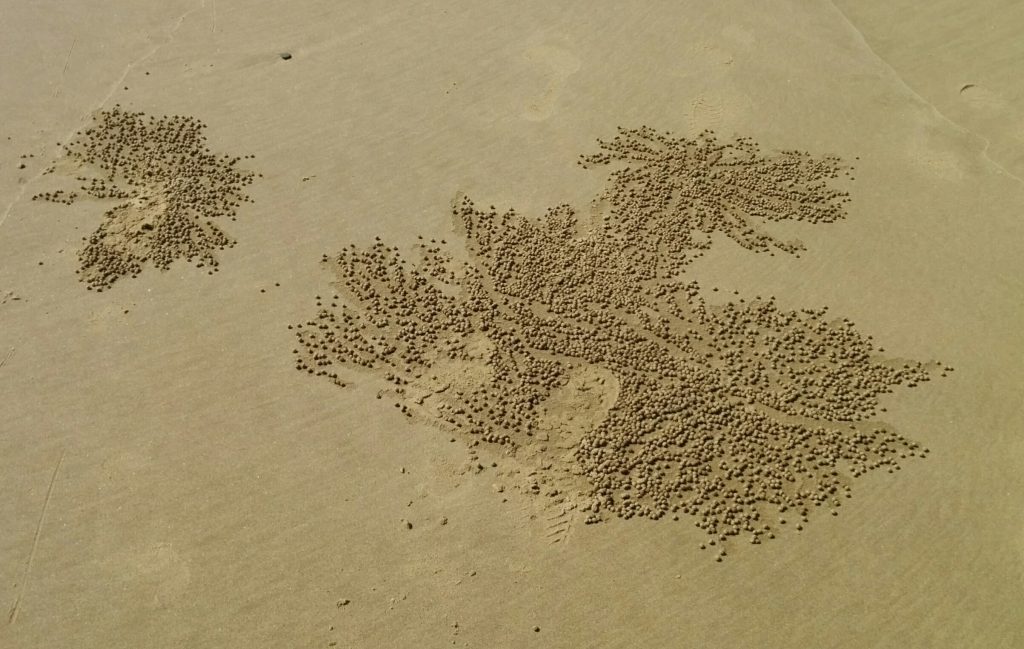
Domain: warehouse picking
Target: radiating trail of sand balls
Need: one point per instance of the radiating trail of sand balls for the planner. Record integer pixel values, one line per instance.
(169, 186)
(735, 414)
(112, 90)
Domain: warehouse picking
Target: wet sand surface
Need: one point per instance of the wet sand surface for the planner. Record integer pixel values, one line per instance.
(171, 480)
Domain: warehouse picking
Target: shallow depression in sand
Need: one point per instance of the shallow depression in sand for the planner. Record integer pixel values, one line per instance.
(579, 405)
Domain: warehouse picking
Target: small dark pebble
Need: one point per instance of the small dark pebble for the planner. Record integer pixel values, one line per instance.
(285, 55)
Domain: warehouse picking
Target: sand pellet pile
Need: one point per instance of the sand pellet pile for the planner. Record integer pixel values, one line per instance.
(672, 193)
(584, 341)
(169, 188)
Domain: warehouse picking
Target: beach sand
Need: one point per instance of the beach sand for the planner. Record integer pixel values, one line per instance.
(171, 480)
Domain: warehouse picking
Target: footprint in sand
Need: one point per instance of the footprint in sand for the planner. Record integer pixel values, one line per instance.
(558, 65)
(943, 164)
(569, 413)
(705, 113)
(107, 317)
(935, 157)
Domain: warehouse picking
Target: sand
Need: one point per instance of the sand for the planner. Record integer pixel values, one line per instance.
(581, 347)
(172, 480)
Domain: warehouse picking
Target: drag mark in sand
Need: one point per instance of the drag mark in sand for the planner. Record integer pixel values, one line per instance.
(617, 385)
(64, 70)
(7, 357)
(13, 616)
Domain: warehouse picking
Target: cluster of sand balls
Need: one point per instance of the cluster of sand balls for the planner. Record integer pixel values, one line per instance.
(58, 196)
(738, 414)
(674, 192)
(170, 189)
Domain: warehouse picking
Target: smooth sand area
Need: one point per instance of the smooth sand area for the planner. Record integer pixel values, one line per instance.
(170, 480)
